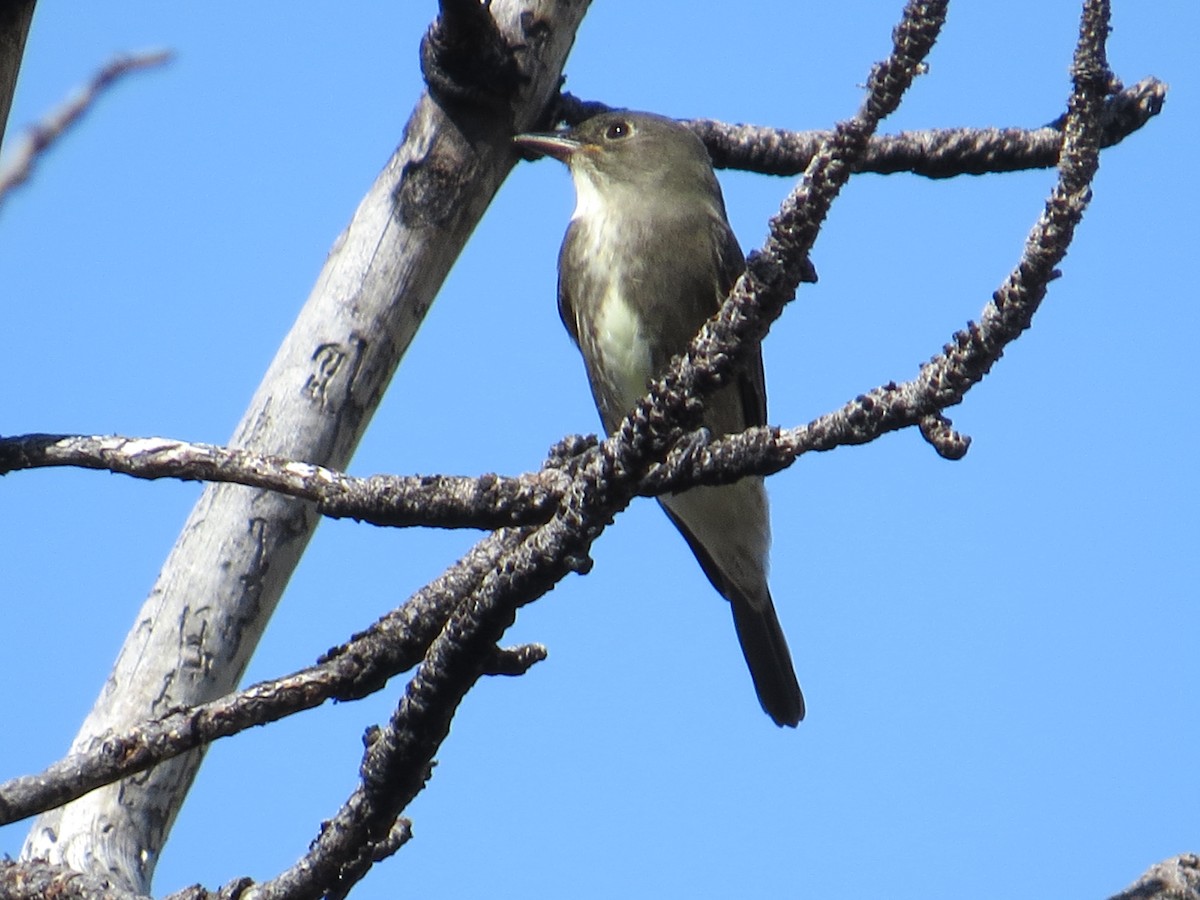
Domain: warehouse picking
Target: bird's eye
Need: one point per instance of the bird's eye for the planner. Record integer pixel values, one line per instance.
(618, 130)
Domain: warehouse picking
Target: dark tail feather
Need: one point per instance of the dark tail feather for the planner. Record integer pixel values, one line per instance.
(766, 652)
(759, 632)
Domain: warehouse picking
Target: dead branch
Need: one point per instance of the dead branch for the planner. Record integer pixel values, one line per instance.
(42, 136)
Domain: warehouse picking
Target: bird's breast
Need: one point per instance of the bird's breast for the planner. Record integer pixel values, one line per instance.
(610, 317)
(622, 347)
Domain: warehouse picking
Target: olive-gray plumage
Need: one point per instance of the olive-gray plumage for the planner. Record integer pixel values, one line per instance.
(647, 258)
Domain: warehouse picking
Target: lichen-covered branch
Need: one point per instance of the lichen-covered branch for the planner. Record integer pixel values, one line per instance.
(937, 153)
(1177, 878)
(439, 501)
(970, 354)
(238, 547)
(359, 667)
(40, 880)
(396, 764)
(451, 628)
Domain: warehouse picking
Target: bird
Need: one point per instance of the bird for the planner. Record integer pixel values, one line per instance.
(648, 256)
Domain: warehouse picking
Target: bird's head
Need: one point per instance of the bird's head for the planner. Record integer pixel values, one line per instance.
(630, 157)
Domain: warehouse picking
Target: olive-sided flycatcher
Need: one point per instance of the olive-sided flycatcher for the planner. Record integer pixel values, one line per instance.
(648, 257)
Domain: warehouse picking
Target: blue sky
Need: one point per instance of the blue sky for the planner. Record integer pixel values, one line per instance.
(998, 654)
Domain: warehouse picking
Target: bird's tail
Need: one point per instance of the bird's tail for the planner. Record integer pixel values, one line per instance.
(728, 530)
(767, 655)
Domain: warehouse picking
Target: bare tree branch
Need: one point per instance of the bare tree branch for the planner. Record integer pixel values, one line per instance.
(238, 548)
(42, 136)
(39, 880)
(457, 621)
(354, 670)
(396, 764)
(939, 153)
(944, 381)
(1173, 879)
(372, 852)
(439, 501)
(545, 556)
(858, 421)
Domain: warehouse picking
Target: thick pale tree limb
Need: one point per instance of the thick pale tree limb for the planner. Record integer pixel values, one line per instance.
(195, 634)
(351, 671)
(396, 764)
(965, 360)
(515, 567)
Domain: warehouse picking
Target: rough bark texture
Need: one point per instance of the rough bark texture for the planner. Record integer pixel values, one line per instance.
(195, 634)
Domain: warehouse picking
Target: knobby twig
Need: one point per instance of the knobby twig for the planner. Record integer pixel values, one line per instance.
(141, 748)
(1173, 879)
(40, 880)
(938, 153)
(354, 670)
(396, 764)
(516, 567)
(238, 548)
(439, 501)
(944, 381)
(363, 668)
(17, 169)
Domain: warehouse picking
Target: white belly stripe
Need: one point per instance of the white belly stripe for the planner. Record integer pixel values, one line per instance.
(622, 346)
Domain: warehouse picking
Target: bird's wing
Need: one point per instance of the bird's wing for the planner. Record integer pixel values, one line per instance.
(566, 310)
(752, 381)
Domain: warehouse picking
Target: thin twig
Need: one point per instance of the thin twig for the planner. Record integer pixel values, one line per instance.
(17, 170)
(936, 153)
(396, 764)
(971, 353)
(438, 501)
(595, 491)
(354, 670)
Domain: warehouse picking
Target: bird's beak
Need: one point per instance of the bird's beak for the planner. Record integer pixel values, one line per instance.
(557, 145)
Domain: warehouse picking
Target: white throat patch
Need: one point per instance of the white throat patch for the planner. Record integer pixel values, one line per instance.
(589, 202)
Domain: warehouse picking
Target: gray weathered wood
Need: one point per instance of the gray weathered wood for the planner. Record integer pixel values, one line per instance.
(195, 634)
